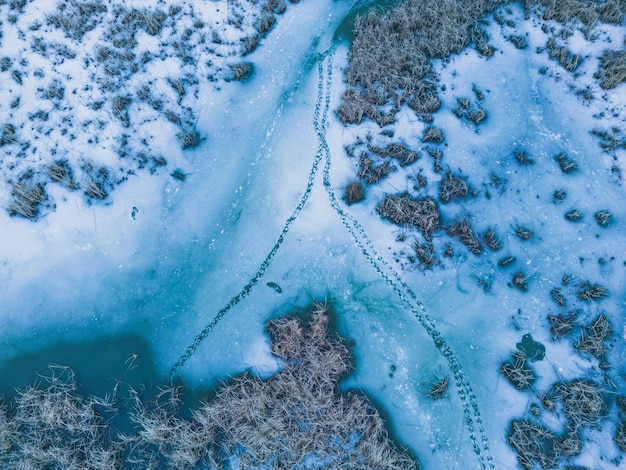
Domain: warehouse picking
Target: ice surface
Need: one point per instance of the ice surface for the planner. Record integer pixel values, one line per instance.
(257, 228)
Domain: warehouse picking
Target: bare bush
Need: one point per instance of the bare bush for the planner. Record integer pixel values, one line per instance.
(165, 440)
(390, 57)
(561, 325)
(300, 413)
(54, 427)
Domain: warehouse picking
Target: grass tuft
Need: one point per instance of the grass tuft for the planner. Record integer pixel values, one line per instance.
(433, 134)
(518, 373)
(452, 187)
(519, 281)
(558, 296)
(583, 402)
(492, 240)
(439, 389)
(61, 172)
(561, 326)
(189, 137)
(425, 254)
(462, 229)
(533, 444)
(8, 135)
(242, 71)
(594, 336)
(620, 436)
(371, 173)
(400, 152)
(76, 18)
(612, 70)
(565, 163)
(354, 193)
(402, 209)
(523, 158)
(591, 292)
(573, 215)
(27, 197)
(603, 217)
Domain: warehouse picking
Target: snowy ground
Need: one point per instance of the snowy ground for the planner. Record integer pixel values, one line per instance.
(252, 224)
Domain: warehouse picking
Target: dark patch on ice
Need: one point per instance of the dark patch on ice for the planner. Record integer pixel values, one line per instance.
(275, 286)
(534, 350)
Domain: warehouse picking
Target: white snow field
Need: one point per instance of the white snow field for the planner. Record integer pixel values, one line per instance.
(155, 259)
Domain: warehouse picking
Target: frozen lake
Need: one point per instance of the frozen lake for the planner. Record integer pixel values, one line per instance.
(174, 278)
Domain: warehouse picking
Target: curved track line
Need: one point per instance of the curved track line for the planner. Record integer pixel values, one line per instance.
(392, 278)
(245, 291)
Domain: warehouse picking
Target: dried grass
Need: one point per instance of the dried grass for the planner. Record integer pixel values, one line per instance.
(612, 71)
(518, 373)
(462, 230)
(402, 209)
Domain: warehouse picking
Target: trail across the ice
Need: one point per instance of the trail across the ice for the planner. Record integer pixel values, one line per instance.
(254, 280)
(471, 412)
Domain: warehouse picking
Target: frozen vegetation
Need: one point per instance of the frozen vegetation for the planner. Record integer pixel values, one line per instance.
(179, 178)
(297, 419)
